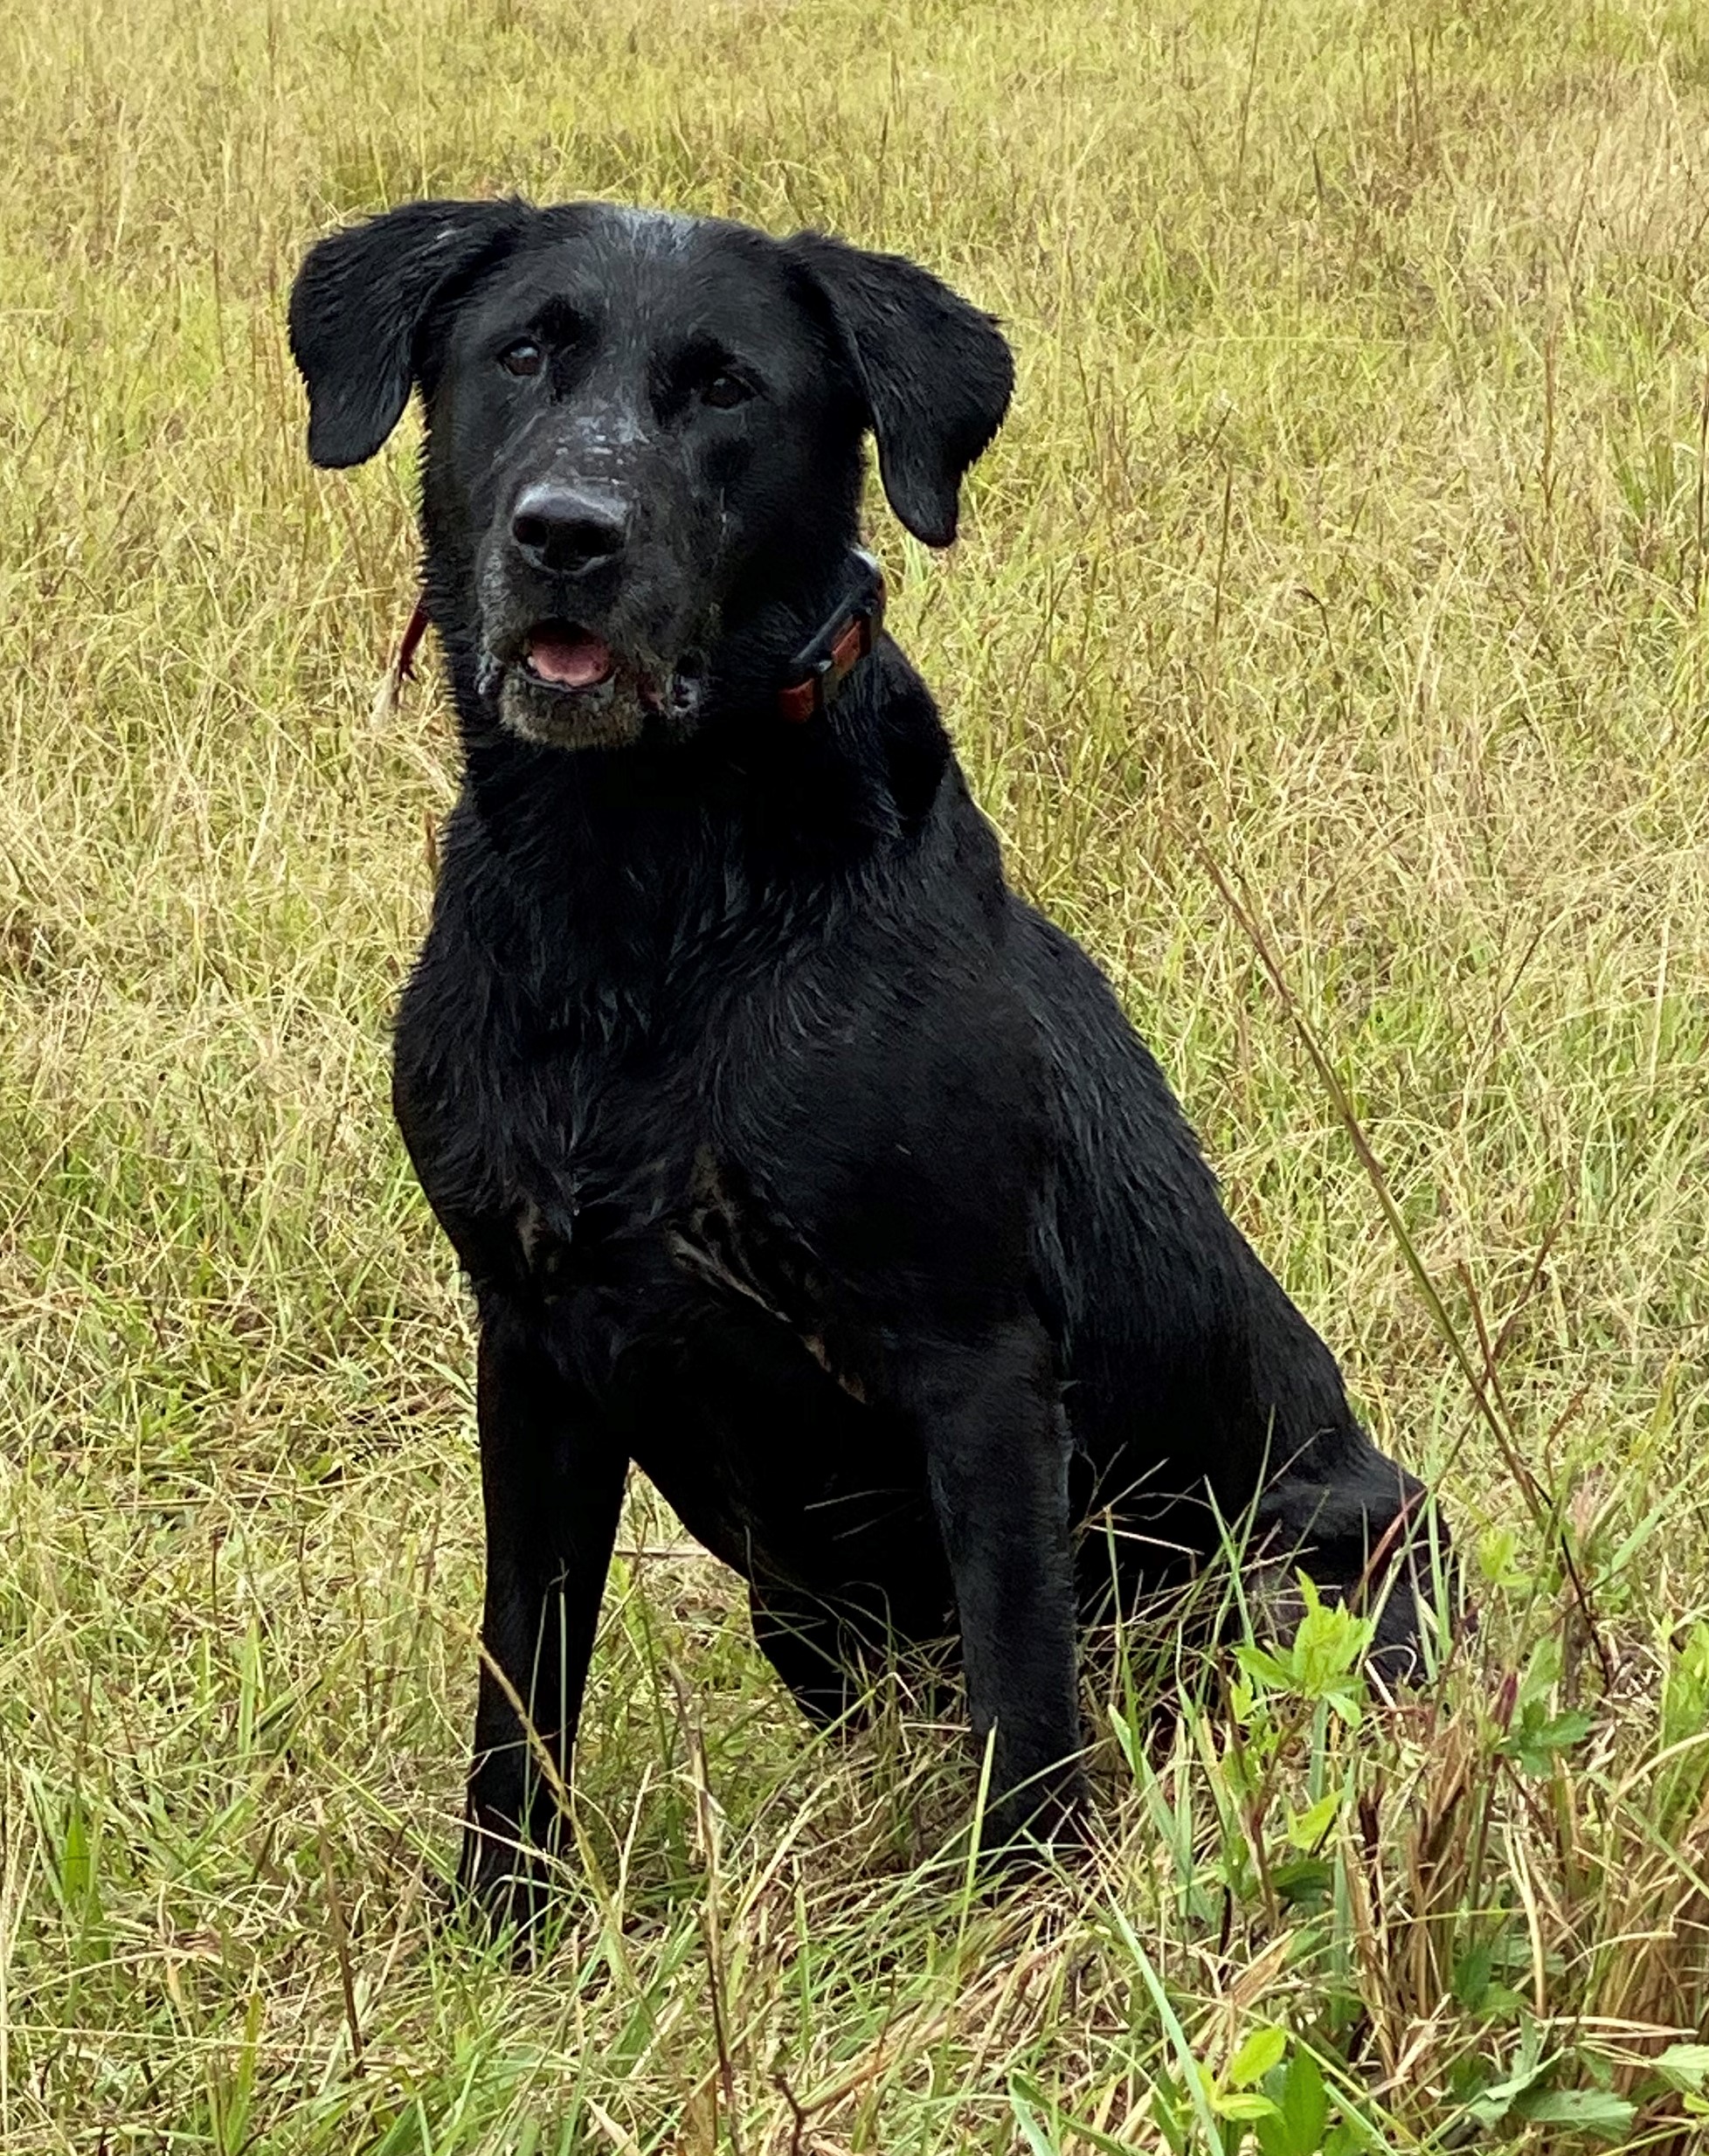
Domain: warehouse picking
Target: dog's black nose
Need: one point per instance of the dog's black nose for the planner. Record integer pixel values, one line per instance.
(567, 529)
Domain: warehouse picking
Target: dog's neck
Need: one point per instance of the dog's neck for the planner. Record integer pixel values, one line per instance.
(628, 857)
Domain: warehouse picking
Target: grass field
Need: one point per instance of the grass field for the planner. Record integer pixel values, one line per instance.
(1328, 641)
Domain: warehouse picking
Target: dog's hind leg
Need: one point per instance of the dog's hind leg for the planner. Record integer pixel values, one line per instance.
(1367, 1533)
(831, 1655)
(808, 1647)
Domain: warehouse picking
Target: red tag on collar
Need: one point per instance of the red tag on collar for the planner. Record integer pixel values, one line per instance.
(416, 629)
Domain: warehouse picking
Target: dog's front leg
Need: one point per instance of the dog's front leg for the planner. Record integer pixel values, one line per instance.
(551, 1483)
(997, 1453)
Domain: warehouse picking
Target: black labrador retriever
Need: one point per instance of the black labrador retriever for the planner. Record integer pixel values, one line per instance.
(791, 1156)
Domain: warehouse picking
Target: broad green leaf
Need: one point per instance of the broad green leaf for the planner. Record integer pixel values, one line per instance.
(1587, 2110)
(1685, 1694)
(1263, 1669)
(1242, 2103)
(1538, 1737)
(1260, 2049)
(1492, 2104)
(1307, 1828)
(1304, 2102)
(1497, 1558)
(1684, 2065)
(1304, 1883)
(1472, 1972)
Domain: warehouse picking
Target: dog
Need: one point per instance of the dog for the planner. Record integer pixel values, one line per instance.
(788, 1153)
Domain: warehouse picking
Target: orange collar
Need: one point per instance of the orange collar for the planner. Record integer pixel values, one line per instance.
(839, 646)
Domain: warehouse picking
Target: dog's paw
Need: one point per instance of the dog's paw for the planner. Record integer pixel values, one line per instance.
(506, 1889)
(1041, 1824)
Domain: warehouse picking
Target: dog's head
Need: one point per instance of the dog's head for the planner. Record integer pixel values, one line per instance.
(644, 439)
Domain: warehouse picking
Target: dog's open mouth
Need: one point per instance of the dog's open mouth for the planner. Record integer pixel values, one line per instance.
(562, 656)
(561, 685)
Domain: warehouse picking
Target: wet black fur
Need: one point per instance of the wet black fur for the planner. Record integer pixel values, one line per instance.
(790, 1155)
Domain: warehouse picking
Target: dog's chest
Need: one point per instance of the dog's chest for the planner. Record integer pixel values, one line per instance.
(587, 1150)
(589, 1155)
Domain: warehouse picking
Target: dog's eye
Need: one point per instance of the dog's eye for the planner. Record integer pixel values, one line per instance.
(725, 390)
(524, 357)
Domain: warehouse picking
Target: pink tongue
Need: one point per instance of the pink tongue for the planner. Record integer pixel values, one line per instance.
(570, 662)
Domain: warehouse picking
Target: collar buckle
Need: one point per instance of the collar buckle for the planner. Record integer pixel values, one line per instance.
(837, 648)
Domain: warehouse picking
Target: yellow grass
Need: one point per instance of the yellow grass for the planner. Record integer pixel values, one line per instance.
(1335, 597)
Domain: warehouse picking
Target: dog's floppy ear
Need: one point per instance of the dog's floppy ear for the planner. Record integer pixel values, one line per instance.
(358, 301)
(937, 374)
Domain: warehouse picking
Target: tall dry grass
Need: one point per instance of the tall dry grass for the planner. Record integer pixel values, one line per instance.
(1328, 641)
